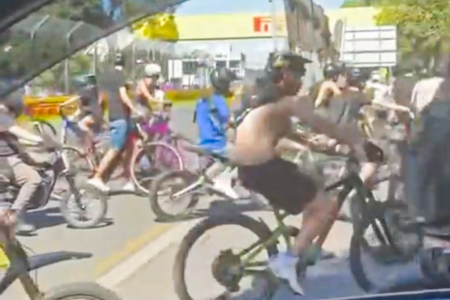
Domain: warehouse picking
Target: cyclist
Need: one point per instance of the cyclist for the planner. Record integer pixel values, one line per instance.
(266, 129)
(90, 113)
(335, 80)
(16, 164)
(148, 91)
(212, 117)
(120, 106)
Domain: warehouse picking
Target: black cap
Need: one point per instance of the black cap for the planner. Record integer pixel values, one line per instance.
(290, 60)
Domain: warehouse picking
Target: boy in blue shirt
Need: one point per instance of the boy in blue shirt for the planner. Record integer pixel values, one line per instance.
(212, 114)
(212, 117)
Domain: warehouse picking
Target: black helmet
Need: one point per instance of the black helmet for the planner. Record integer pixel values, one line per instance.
(355, 77)
(221, 79)
(119, 60)
(332, 70)
(285, 60)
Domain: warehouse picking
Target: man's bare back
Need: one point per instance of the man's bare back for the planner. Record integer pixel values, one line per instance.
(259, 133)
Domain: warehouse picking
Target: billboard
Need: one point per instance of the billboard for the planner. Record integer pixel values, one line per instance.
(223, 26)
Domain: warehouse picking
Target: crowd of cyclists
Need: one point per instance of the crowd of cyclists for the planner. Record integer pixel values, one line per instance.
(262, 130)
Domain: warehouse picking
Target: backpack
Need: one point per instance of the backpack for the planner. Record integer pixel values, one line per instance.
(213, 114)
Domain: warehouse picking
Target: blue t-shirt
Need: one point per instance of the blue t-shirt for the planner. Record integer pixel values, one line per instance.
(212, 116)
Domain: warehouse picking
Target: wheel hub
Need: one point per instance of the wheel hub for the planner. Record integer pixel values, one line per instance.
(227, 270)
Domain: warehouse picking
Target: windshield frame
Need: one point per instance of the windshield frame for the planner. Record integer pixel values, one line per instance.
(158, 8)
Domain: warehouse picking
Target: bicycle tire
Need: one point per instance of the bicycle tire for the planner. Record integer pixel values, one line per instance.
(356, 245)
(95, 218)
(43, 124)
(155, 187)
(81, 289)
(143, 187)
(260, 229)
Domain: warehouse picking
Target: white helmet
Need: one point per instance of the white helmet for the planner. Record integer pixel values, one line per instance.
(152, 70)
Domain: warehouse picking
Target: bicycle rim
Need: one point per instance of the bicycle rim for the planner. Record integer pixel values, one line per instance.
(150, 161)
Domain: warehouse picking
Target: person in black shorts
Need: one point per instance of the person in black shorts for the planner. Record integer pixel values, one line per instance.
(266, 131)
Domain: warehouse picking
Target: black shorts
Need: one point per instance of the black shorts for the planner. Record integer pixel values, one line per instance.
(281, 182)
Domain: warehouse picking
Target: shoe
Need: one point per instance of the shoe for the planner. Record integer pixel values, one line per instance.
(23, 228)
(129, 187)
(98, 184)
(284, 267)
(225, 187)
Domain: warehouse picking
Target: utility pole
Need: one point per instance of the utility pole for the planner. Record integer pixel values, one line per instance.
(273, 24)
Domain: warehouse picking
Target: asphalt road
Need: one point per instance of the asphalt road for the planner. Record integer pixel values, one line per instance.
(135, 254)
(133, 227)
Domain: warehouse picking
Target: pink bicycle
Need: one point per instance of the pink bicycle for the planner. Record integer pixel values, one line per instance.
(160, 151)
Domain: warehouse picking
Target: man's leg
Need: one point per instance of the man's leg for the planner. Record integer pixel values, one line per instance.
(118, 137)
(29, 180)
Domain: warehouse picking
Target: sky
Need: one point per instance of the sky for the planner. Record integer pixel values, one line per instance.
(236, 6)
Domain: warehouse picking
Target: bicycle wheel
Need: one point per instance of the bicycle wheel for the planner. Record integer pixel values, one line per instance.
(42, 126)
(151, 160)
(81, 291)
(78, 162)
(89, 212)
(225, 265)
(396, 245)
(165, 186)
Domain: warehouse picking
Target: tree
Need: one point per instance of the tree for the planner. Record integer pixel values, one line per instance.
(422, 28)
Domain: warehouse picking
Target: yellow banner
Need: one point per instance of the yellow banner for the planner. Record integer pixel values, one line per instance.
(159, 27)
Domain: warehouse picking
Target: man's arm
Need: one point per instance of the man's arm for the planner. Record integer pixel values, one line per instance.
(302, 108)
(325, 87)
(25, 135)
(126, 99)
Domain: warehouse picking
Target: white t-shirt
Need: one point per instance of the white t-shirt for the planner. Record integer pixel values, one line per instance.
(424, 92)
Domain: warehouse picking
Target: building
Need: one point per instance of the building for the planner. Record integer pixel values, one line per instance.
(359, 39)
(194, 71)
(236, 40)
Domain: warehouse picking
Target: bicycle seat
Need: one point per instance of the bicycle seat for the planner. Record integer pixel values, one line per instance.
(203, 152)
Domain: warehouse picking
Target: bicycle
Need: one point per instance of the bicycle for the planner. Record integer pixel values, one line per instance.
(387, 219)
(76, 212)
(161, 151)
(189, 184)
(20, 266)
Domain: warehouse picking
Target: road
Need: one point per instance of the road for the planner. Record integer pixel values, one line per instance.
(133, 227)
(134, 256)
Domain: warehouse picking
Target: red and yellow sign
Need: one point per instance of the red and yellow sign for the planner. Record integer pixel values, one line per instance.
(223, 26)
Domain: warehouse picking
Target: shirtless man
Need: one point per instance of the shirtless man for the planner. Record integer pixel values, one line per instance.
(260, 136)
(335, 80)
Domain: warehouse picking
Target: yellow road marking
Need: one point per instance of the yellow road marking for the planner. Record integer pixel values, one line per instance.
(130, 248)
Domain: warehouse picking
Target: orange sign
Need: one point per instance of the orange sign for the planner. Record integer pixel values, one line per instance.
(263, 24)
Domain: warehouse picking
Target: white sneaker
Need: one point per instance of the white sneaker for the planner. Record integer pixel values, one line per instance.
(129, 187)
(284, 266)
(225, 187)
(98, 184)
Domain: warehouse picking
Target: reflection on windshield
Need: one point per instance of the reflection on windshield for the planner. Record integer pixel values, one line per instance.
(58, 30)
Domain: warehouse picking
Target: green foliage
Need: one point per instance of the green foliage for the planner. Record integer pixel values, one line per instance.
(359, 3)
(422, 26)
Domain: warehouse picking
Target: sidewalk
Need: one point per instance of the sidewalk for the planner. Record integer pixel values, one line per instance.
(153, 280)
